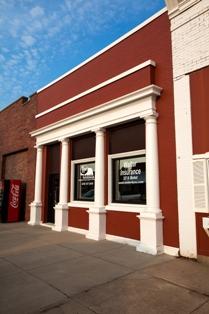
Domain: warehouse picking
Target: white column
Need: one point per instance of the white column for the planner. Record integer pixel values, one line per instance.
(151, 228)
(152, 167)
(61, 209)
(35, 206)
(186, 215)
(97, 213)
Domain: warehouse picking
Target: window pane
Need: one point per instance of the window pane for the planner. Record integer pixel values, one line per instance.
(84, 182)
(129, 180)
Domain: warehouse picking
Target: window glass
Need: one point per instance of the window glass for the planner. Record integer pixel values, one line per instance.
(84, 181)
(129, 180)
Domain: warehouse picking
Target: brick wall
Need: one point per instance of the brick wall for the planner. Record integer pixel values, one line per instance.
(17, 153)
(190, 38)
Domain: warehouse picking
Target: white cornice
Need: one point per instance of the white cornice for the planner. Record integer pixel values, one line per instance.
(96, 87)
(176, 7)
(141, 25)
(150, 91)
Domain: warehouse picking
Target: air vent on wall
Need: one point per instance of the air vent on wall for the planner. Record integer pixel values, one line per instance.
(200, 183)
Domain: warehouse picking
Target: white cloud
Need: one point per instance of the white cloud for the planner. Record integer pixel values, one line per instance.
(2, 58)
(28, 40)
(37, 11)
(4, 49)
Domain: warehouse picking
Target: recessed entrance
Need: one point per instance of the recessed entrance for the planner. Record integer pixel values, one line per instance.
(52, 181)
(53, 195)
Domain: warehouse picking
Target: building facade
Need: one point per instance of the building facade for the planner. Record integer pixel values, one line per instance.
(106, 160)
(17, 155)
(121, 152)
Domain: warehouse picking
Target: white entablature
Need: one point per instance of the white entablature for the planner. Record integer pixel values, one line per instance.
(138, 104)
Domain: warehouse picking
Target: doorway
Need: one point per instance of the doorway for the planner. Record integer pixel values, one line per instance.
(53, 195)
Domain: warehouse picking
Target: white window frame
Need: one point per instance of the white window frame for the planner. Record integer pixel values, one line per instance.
(73, 202)
(122, 207)
(205, 159)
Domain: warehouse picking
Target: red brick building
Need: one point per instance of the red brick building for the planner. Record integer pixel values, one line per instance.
(106, 144)
(17, 154)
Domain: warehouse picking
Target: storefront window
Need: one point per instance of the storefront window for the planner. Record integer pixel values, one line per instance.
(84, 181)
(129, 180)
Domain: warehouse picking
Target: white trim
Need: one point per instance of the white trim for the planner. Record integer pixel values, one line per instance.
(96, 87)
(83, 161)
(81, 204)
(128, 154)
(201, 156)
(47, 225)
(75, 203)
(134, 30)
(116, 206)
(122, 240)
(77, 230)
(170, 250)
(126, 208)
(147, 93)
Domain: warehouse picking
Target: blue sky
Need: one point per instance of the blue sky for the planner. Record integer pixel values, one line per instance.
(42, 39)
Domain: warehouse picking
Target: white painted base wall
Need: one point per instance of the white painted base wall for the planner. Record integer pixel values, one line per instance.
(170, 250)
(122, 240)
(77, 230)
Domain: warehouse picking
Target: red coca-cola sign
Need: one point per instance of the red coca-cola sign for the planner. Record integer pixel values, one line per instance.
(14, 201)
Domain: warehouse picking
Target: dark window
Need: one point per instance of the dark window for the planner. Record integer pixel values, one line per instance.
(83, 146)
(84, 181)
(129, 180)
(127, 137)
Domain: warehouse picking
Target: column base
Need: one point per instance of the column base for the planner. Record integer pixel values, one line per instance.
(97, 223)
(35, 213)
(61, 217)
(151, 233)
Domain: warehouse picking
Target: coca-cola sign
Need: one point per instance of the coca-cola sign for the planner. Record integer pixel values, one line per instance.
(15, 193)
(14, 200)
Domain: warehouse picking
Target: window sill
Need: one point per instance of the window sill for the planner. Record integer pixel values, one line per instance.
(81, 204)
(129, 208)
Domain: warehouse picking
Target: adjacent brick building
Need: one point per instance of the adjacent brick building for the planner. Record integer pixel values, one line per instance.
(189, 21)
(17, 154)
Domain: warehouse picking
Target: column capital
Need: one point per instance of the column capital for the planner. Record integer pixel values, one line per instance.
(64, 140)
(98, 130)
(38, 147)
(152, 117)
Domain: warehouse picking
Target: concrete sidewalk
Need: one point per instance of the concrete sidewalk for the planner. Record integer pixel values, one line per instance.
(42, 271)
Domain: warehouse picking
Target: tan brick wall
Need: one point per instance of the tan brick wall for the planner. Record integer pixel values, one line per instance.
(190, 38)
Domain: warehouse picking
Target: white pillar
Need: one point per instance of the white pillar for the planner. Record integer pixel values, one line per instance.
(186, 214)
(151, 227)
(97, 213)
(61, 209)
(152, 167)
(35, 206)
